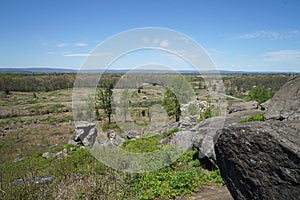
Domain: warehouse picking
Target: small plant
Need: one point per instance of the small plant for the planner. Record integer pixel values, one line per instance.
(169, 133)
(253, 118)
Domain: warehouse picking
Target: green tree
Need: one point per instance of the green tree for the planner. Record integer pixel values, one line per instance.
(124, 103)
(181, 88)
(171, 104)
(104, 99)
(260, 94)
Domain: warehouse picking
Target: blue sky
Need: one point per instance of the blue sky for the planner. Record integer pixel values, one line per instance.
(256, 35)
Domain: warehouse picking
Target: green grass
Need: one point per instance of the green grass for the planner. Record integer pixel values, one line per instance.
(253, 118)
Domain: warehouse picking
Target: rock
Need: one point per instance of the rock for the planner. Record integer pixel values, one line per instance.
(86, 133)
(186, 125)
(261, 160)
(111, 134)
(131, 135)
(183, 140)
(62, 154)
(169, 127)
(72, 148)
(48, 155)
(39, 180)
(243, 106)
(73, 142)
(164, 141)
(285, 105)
(118, 140)
(43, 180)
(19, 159)
(90, 138)
(204, 135)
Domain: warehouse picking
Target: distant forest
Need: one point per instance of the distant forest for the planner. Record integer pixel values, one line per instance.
(234, 84)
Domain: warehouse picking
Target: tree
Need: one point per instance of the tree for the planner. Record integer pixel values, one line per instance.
(181, 88)
(260, 94)
(172, 105)
(104, 99)
(124, 103)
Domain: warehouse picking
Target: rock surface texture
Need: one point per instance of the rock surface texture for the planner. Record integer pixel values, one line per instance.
(261, 160)
(285, 105)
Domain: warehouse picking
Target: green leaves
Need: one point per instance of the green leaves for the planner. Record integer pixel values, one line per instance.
(171, 104)
(260, 94)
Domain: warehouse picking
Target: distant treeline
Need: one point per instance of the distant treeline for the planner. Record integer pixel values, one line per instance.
(50, 81)
(244, 83)
(36, 82)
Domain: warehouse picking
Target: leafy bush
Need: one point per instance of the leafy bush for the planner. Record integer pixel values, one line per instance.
(260, 94)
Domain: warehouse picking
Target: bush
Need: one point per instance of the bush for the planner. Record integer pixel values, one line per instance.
(260, 94)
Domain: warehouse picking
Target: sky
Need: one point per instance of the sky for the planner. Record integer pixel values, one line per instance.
(238, 35)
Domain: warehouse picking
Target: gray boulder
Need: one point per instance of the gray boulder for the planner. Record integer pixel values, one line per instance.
(132, 135)
(86, 133)
(48, 155)
(285, 105)
(261, 160)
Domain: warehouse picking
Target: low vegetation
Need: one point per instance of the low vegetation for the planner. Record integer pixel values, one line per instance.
(253, 118)
(36, 117)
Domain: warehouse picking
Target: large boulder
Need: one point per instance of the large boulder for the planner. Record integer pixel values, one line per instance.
(261, 160)
(285, 105)
(204, 135)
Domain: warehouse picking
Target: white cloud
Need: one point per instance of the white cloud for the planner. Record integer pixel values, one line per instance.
(80, 44)
(50, 53)
(62, 45)
(87, 54)
(282, 56)
(271, 34)
(76, 54)
(165, 43)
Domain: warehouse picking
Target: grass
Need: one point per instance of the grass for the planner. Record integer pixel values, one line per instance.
(32, 132)
(253, 118)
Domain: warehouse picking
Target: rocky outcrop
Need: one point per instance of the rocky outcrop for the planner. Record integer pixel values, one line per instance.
(86, 133)
(203, 136)
(243, 106)
(261, 160)
(285, 105)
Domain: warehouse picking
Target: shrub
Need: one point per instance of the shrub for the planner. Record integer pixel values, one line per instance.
(260, 94)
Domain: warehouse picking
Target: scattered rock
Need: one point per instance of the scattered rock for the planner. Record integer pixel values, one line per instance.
(131, 135)
(39, 180)
(48, 155)
(19, 159)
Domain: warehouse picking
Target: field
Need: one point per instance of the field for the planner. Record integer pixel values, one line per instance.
(39, 121)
